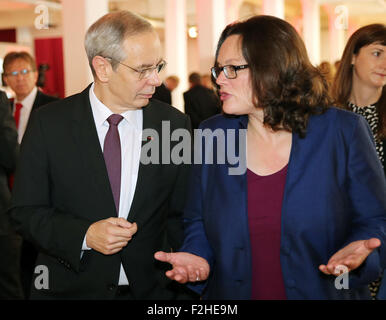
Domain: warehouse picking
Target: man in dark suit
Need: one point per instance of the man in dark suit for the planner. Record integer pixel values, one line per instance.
(82, 194)
(10, 242)
(201, 103)
(164, 91)
(20, 75)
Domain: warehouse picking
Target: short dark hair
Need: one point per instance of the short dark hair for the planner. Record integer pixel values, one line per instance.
(284, 82)
(10, 57)
(195, 78)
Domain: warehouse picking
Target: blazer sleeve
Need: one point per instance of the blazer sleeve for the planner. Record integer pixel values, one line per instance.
(57, 233)
(196, 241)
(367, 191)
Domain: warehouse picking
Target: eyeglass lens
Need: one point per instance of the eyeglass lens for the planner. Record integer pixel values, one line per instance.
(15, 73)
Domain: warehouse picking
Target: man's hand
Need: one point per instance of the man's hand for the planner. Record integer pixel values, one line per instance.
(109, 236)
(351, 256)
(186, 266)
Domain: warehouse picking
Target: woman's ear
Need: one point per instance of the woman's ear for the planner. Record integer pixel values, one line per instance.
(102, 68)
(354, 57)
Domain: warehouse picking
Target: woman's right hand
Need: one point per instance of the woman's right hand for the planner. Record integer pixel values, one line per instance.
(187, 267)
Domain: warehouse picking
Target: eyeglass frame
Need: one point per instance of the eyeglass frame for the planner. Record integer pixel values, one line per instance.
(224, 68)
(162, 62)
(22, 72)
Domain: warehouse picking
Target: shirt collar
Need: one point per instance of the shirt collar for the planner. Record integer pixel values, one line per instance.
(101, 112)
(28, 101)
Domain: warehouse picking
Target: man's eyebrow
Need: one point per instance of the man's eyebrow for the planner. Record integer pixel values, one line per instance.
(144, 66)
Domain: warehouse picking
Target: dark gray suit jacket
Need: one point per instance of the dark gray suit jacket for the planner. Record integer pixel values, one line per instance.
(9, 149)
(62, 187)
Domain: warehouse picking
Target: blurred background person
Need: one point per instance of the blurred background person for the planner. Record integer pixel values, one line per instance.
(164, 91)
(313, 195)
(327, 72)
(359, 86)
(206, 80)
(10, 242)
(201, 103)
(21, 75)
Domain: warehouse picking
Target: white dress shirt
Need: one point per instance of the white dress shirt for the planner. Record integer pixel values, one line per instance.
(25, 112)
(130, 132)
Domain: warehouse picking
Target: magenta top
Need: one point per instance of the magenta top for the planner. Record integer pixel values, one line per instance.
(265, 196)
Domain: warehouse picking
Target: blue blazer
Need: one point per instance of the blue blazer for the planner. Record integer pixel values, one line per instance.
(335, 193)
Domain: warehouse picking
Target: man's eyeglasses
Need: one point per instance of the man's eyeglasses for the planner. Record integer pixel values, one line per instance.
(144, 73)
(230, 71)
(22, 72)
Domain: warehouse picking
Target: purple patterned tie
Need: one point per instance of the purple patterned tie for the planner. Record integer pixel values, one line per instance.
(112, 155)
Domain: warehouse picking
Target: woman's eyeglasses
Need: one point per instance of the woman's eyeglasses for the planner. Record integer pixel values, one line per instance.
(230, 71)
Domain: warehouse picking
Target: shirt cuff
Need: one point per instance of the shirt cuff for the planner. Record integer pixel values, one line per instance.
(84, 245)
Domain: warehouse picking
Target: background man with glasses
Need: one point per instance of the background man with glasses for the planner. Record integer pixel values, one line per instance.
(20, 75)
(81, 193)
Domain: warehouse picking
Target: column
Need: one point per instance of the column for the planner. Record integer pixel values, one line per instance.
(176, 47)
(211, 21)
(77, 16)
(337, 28)
(274, 8)
(25, 38)
(232, 10)
(311, 29)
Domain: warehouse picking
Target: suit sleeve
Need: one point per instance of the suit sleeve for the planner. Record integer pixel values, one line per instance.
(177, 202)
(190, 110)
(8, 136)
(57, 233)
(367, 191)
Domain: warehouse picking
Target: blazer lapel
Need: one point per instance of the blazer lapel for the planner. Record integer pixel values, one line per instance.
(85, 136)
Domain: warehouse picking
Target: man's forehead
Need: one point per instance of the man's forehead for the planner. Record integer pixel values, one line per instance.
(19, 61)
(143, 49)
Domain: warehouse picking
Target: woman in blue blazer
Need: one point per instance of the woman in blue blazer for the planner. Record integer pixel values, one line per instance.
(312, 202)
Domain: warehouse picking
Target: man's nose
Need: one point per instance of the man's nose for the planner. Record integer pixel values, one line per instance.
(155, 79)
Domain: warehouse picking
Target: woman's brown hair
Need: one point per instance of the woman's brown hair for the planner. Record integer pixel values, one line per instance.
(342, 85)
(284, 82)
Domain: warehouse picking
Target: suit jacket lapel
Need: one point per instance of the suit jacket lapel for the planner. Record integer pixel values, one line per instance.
(11, 102)
(37, 100)
(146, 173)
(85, 136)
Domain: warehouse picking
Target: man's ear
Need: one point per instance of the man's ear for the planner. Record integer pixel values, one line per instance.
(102, 68)
(4, 80)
